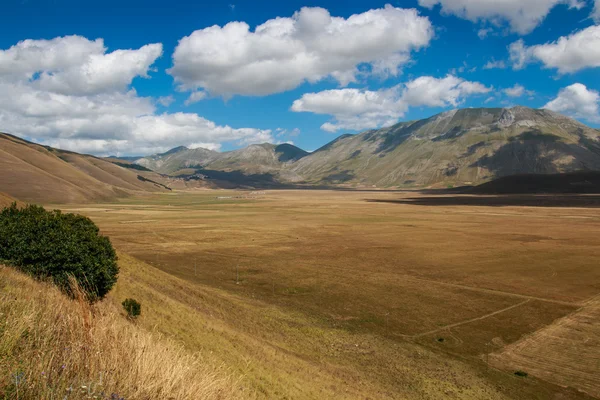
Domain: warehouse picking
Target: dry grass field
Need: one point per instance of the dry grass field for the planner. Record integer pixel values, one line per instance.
(334, 294)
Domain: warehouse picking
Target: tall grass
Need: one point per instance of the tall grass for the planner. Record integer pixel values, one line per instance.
(52, 347)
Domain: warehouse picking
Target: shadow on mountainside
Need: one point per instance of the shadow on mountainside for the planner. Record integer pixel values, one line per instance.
(578, 201)
(535, 152)
(235, 179)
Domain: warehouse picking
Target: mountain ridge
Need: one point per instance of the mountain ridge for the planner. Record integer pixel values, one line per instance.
(455, 147)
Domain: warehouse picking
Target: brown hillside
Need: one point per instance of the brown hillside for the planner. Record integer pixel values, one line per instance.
(6, 200)
(37, 173)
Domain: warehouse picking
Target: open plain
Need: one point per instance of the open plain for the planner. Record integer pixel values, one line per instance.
(367, 294)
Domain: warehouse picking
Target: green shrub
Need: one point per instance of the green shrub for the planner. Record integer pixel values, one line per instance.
(520, 373)
(132, 307)
(57, 246)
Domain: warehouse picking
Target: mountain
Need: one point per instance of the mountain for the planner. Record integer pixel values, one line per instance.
(35, 173)
(467, 146)
(254, 159)
(177, 159)
(457, 147)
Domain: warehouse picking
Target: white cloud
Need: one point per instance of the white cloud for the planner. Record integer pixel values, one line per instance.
(76, 65)
(517, 91)
(208, 146)
(357, 109)
(493, 64)
(69, 93)
(195, 97)
(568, 54)
(596, 12)
(522, 15)
(283, 53)
(577, 101)
(165, 101)
(282, 132)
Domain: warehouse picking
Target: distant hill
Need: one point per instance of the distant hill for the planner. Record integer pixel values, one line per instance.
(458, 147)
(40, 174)
(254, 159)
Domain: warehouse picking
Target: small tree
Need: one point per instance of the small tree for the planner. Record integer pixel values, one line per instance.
(57, 246)
(132, 307)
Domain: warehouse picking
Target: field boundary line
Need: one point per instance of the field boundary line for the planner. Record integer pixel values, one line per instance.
(498, 292)
(470, 320)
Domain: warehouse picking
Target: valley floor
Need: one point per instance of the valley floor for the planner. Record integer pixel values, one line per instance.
(331, 294)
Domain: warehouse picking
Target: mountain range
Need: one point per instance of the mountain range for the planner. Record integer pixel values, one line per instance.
(458, 147)
(454, 148)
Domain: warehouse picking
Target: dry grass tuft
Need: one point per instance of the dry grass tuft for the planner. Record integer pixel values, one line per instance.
(52, 347)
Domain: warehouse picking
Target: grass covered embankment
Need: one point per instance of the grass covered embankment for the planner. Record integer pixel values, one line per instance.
(52, 347)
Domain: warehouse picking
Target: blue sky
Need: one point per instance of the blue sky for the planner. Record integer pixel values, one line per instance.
(385, 64)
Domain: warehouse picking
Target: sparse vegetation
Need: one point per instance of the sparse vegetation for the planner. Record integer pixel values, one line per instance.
(58, 246)
(521, 373)
(132, 308)
(54, 347)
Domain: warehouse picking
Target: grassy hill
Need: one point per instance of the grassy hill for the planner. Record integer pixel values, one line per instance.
(37, 173)
(6, 200)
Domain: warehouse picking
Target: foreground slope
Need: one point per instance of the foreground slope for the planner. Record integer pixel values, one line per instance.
(31, 172)
(52, 347)
(456, 147)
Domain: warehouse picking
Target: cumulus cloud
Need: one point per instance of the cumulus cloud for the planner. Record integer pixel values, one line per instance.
(522, 15)
(357, 109)
(517, 91)
(568, 54)
(577, 101)
(283, 53)
(76, 65)
(70, 93)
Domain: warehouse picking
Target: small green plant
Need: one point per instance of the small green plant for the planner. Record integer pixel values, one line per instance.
(132, 308)
(521, 373)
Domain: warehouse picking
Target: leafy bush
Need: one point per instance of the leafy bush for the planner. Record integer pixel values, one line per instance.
(57, 246)
(520, 373)
(132, 307)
